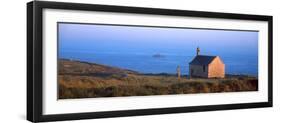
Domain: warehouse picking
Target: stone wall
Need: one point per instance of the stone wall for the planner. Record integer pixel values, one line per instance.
(216, 69)
(198, 71)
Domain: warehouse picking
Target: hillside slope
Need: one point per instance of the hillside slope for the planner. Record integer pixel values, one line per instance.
(87, 80)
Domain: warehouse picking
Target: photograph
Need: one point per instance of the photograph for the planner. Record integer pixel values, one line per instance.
(113, 60)
(87, 60)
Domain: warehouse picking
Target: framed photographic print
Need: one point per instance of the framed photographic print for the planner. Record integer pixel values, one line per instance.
(96, 61)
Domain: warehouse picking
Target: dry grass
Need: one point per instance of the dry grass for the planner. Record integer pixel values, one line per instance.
(84, 80)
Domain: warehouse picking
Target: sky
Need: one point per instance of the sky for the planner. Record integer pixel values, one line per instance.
(132, 39)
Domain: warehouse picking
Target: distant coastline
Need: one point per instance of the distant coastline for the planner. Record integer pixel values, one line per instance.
(141, 73)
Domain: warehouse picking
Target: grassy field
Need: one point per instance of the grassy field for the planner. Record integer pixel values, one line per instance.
(87, 80)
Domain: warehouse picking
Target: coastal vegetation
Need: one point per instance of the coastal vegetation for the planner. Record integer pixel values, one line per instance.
(79, 79)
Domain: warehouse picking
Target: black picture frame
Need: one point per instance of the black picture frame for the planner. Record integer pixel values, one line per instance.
(35, 69)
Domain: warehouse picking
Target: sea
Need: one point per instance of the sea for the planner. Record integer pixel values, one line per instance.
(164, 62)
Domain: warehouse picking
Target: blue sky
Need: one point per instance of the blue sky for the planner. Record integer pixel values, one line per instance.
(129, 39)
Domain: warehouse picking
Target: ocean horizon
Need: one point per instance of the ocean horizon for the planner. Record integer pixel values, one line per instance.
(147, 63)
